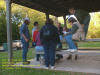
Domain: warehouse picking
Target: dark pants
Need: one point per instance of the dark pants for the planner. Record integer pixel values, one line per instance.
(59, 45)
(86, 22)
(37, 57)
(49, 50)
(39, 49)
(25, 50)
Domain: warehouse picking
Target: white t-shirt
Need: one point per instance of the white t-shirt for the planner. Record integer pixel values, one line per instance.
(33, 30)
(69, 16)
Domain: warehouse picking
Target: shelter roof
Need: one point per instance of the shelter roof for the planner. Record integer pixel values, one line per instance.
(60, 7)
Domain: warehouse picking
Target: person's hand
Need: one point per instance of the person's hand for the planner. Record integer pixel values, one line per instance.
(65, 33)
(26, 40)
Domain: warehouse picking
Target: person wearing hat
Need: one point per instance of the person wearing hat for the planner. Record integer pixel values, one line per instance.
(25, 37)
(82, 16)
(69, 37)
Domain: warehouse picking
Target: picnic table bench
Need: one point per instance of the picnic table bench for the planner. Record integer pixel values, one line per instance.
(58, 52)
(61, 52)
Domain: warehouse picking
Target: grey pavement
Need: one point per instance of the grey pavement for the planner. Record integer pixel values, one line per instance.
(88, 62)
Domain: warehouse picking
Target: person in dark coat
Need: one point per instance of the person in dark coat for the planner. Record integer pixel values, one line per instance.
(49, 43)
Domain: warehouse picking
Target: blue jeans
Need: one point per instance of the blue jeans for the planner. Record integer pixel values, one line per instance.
(39, 49)
(25, 50)
(70, 42)
(49, 50)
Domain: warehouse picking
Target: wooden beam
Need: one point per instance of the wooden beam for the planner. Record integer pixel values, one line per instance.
(64, 17)
(9, 30)
(47, 16)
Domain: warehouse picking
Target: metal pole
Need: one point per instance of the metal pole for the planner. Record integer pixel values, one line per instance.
(9, 30)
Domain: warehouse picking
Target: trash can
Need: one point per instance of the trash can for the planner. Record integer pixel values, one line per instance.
(5, 47)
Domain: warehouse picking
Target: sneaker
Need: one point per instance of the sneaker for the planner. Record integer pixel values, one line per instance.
(69, 50)
(46, 67)
(73, 50)
(26, 62)
(52, 67)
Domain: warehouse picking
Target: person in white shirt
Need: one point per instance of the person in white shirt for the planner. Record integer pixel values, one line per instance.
(83, 17)
(35, 27)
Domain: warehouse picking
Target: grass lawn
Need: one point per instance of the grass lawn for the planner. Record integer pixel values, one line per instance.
(89, 44)
(17, 57)
(31, 71)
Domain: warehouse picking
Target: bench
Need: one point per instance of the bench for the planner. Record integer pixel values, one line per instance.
(57, 52)
(64, 51)
(61, 52)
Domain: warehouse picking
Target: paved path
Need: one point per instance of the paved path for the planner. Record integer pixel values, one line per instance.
(88, 62)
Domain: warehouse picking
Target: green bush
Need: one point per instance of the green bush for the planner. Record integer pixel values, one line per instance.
(3, 27)
(3, 31)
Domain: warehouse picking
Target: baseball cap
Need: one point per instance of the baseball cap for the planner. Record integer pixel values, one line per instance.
(26, 19)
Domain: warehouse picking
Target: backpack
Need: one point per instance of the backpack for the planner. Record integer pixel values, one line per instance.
(48, 33)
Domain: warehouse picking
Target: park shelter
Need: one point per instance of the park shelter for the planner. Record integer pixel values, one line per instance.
(53, 7)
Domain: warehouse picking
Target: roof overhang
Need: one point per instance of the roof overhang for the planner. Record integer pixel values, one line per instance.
(60, 7)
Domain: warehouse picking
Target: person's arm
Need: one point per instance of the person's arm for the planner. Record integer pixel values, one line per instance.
(61, 30)
(41, 35)
(74, 29)
(22, 30)
(25, 37)
(57, 35)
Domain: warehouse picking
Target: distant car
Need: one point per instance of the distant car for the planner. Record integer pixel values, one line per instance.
(17, 44)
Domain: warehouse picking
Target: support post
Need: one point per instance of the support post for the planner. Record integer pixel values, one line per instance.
(64, 17)
(47, 16)
(9, 30)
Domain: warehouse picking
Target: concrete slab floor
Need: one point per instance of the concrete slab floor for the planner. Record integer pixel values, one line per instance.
(88, 62)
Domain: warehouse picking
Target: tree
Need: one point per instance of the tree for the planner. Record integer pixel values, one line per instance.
(31, 13)
(3, 31)
(18, 14)
(94, 27)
